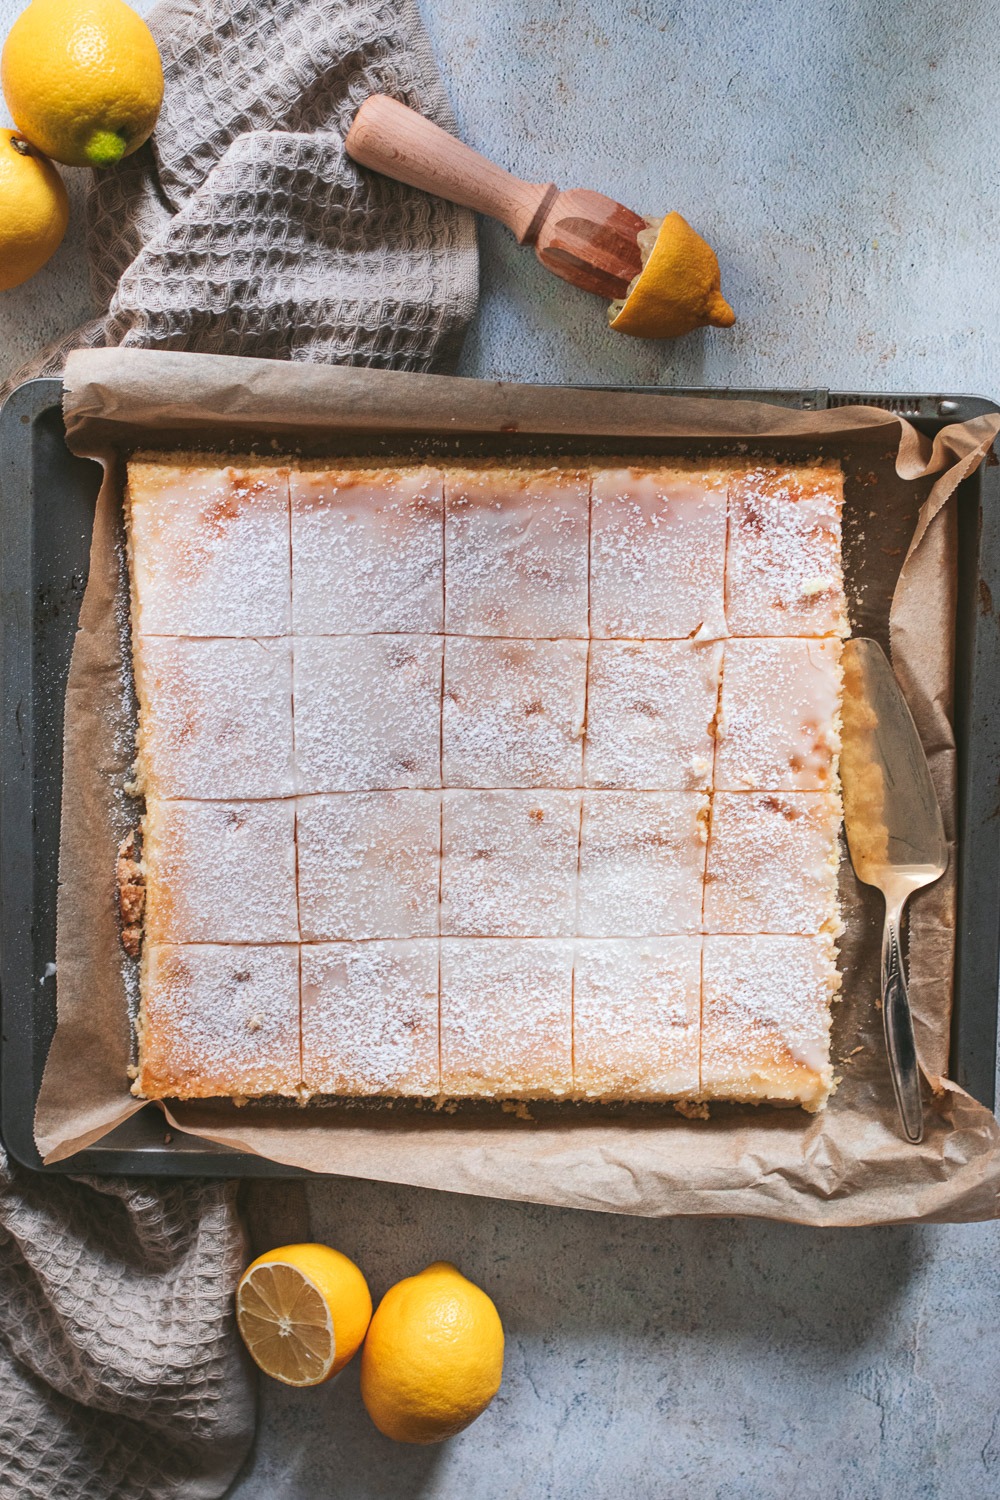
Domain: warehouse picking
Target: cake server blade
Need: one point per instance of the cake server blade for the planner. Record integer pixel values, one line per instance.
(895, 835)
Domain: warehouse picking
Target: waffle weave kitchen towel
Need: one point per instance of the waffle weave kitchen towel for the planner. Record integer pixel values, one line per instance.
(242, 228)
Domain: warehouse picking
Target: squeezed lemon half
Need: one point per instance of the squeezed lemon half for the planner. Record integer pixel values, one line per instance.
(678, 288)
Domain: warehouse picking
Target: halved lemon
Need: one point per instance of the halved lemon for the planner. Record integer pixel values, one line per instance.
(678, 288)
(303, 1311)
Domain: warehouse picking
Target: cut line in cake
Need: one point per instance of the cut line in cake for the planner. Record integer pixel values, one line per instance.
(526, 765)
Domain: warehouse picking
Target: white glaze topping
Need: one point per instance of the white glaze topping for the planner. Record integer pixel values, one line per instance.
(516, 553)
(507, 821)
(369, 865)
(650, 712)
(636, 1017)
(370, 1018)
(778, 727)
(772, 862)
(658, 547)
(209, 550)
(367, 551)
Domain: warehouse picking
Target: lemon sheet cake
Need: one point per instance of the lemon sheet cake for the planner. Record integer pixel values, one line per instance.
(487, 781)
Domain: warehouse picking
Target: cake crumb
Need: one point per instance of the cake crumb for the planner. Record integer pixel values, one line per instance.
(517, 1108)
(692, 1109)
(130, 882)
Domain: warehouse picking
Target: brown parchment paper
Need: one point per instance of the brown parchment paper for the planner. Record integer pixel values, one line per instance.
(847, 1165)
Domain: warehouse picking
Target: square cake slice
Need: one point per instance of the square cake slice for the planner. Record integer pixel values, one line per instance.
(783, 566)
(367, 552)
(642, 863)
(367, 712)
(219, 1020)
(509, 863)
(636, 1018)
(215, 718)
(369, 865)
(658, 548)
(506, 1018)
(772, 863)
(208, 548)
(779, 723)
(651, 709)
(370, 1018)
(513, 713)
(220, 872)
(516, 552)
(766, 1019)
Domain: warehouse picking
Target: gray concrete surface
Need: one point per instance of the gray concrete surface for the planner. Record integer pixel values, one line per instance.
(704, 1360)
(841, 157)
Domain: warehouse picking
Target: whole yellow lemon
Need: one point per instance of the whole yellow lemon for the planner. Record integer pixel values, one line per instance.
(34, 210)
(433, 1357)
(82, 79)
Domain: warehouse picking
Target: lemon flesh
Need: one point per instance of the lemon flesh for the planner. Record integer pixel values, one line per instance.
(433, 1358)
(82, 79)
(678, 288)
(303, 1311)
(34, 210)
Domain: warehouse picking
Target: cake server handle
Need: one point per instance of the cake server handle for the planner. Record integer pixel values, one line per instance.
(898, 1023)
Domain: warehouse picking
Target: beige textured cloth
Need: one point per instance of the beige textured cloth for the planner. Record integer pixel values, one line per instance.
(121, 1371)
(241, 229)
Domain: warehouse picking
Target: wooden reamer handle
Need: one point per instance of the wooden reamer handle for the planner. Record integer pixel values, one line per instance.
(399, 143)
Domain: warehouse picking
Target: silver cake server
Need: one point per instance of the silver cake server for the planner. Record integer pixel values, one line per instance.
(895, 836)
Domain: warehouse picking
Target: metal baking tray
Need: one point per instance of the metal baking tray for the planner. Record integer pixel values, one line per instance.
(47, 499)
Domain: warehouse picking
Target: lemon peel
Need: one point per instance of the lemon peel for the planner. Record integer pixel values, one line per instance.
(82, 79)
(34, 210)
(678, 288)
(433, 1357)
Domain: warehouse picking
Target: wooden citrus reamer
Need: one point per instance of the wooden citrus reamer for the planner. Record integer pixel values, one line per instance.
(584, 237)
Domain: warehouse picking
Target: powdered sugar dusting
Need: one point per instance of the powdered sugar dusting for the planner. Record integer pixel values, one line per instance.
(783, 573)
(642, 863)
(506, 1017)
(367, 551)
(636, 1018)
(369, 864)
(766, 1018)
(516, 548)
(215, 718)
(220, 872)
(650, 710)
(210, 550)
(370, 1018)
(513, 713)
(367, 712)
(220, 1020)
(778, 727)
(658, 544)
(772, 862)
(462, 771)
(509, 863)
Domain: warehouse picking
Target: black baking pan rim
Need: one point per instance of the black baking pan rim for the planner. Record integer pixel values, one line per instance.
(46, 509)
